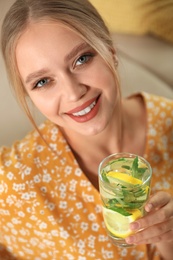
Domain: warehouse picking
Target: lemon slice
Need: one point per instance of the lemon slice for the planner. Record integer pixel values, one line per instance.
(117, 224)
(118, 176)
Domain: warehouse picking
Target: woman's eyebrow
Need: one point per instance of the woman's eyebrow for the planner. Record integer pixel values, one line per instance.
(76, 50)
(34, 75)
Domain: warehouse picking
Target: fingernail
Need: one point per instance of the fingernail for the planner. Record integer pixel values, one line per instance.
(148, 207)
(134, 226)
(130, 240)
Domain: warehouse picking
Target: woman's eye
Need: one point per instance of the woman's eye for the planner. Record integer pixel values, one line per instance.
(41, 83)
(83, 59)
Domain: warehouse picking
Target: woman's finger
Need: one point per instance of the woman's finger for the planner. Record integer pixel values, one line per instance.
(167, 237)
(153, 218)
(155, 215)
(158, 200)
(154, 233)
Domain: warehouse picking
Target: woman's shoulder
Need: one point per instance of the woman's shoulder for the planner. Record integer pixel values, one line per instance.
(159, 114)
(35, 144)
(155, 100)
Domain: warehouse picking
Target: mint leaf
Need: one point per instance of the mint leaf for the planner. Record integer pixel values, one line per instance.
(126, 167)
(104, 177)
(135, 167)
(122, 211)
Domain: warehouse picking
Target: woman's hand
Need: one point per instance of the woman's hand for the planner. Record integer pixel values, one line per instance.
(157, 225)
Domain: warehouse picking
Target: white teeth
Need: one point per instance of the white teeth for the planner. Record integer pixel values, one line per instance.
(85, 111)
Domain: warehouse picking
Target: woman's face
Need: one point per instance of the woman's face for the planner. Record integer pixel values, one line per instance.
(65, 78)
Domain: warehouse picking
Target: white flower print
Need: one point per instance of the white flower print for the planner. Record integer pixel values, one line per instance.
(166, 184)
(81, 251)
(152, 132)
(10, 200)
(21, 253)
(107, 254)
(3, 187)
(150, 104)
(8, 163)
(63, 204)
(51, 206)
(34, 241)
(24, 232)
(62, 195)
(102, 238)
(84, 226)
(73, 185)
(64, 234)
(53, 146)
(10, 225)
(98, 209)
(77, 217)
(54, 130)
(84, 183)
(37, 162)
(25, 196)
(81, 243)
(68, 170)
(33, 194)
(24, 172)
(43, 189)
(19, 203)
(39, 148)
(15, 221)
(10, 175)
(123, 252)
(62, 187)
(17, 165)
(88, 198)
(42, 225)
(95, 227)
(42, 212)
(52, 220)
(43, 255)
(91, 217)
(37, 178)
(1, 172)
(29, 225)
(79, 205)
(21, 214)
(46, 177)
(78, 172)
(54, 233)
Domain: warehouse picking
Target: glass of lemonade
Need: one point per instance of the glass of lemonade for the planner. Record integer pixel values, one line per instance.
(124, 183)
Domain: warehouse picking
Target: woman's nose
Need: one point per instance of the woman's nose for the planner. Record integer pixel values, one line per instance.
(72, 88)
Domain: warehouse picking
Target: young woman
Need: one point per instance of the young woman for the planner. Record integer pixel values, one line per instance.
(59, 53)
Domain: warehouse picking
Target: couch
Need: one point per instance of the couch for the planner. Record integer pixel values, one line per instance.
(145, 62)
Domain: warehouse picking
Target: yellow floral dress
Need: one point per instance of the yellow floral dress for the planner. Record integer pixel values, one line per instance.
(48, 207)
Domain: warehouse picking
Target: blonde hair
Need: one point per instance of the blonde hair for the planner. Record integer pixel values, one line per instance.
(79, 15)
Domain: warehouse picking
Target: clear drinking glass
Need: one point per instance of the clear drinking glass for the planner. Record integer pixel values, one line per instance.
(124, 183)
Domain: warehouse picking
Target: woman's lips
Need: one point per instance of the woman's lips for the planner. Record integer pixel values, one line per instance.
(85, 112)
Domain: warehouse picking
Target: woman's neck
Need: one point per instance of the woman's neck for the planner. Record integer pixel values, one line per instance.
(126, 133)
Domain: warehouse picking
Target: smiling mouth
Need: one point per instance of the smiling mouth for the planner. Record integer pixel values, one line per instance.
(86, 110)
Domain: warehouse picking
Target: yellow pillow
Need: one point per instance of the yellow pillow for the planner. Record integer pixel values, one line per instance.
(138, 16)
